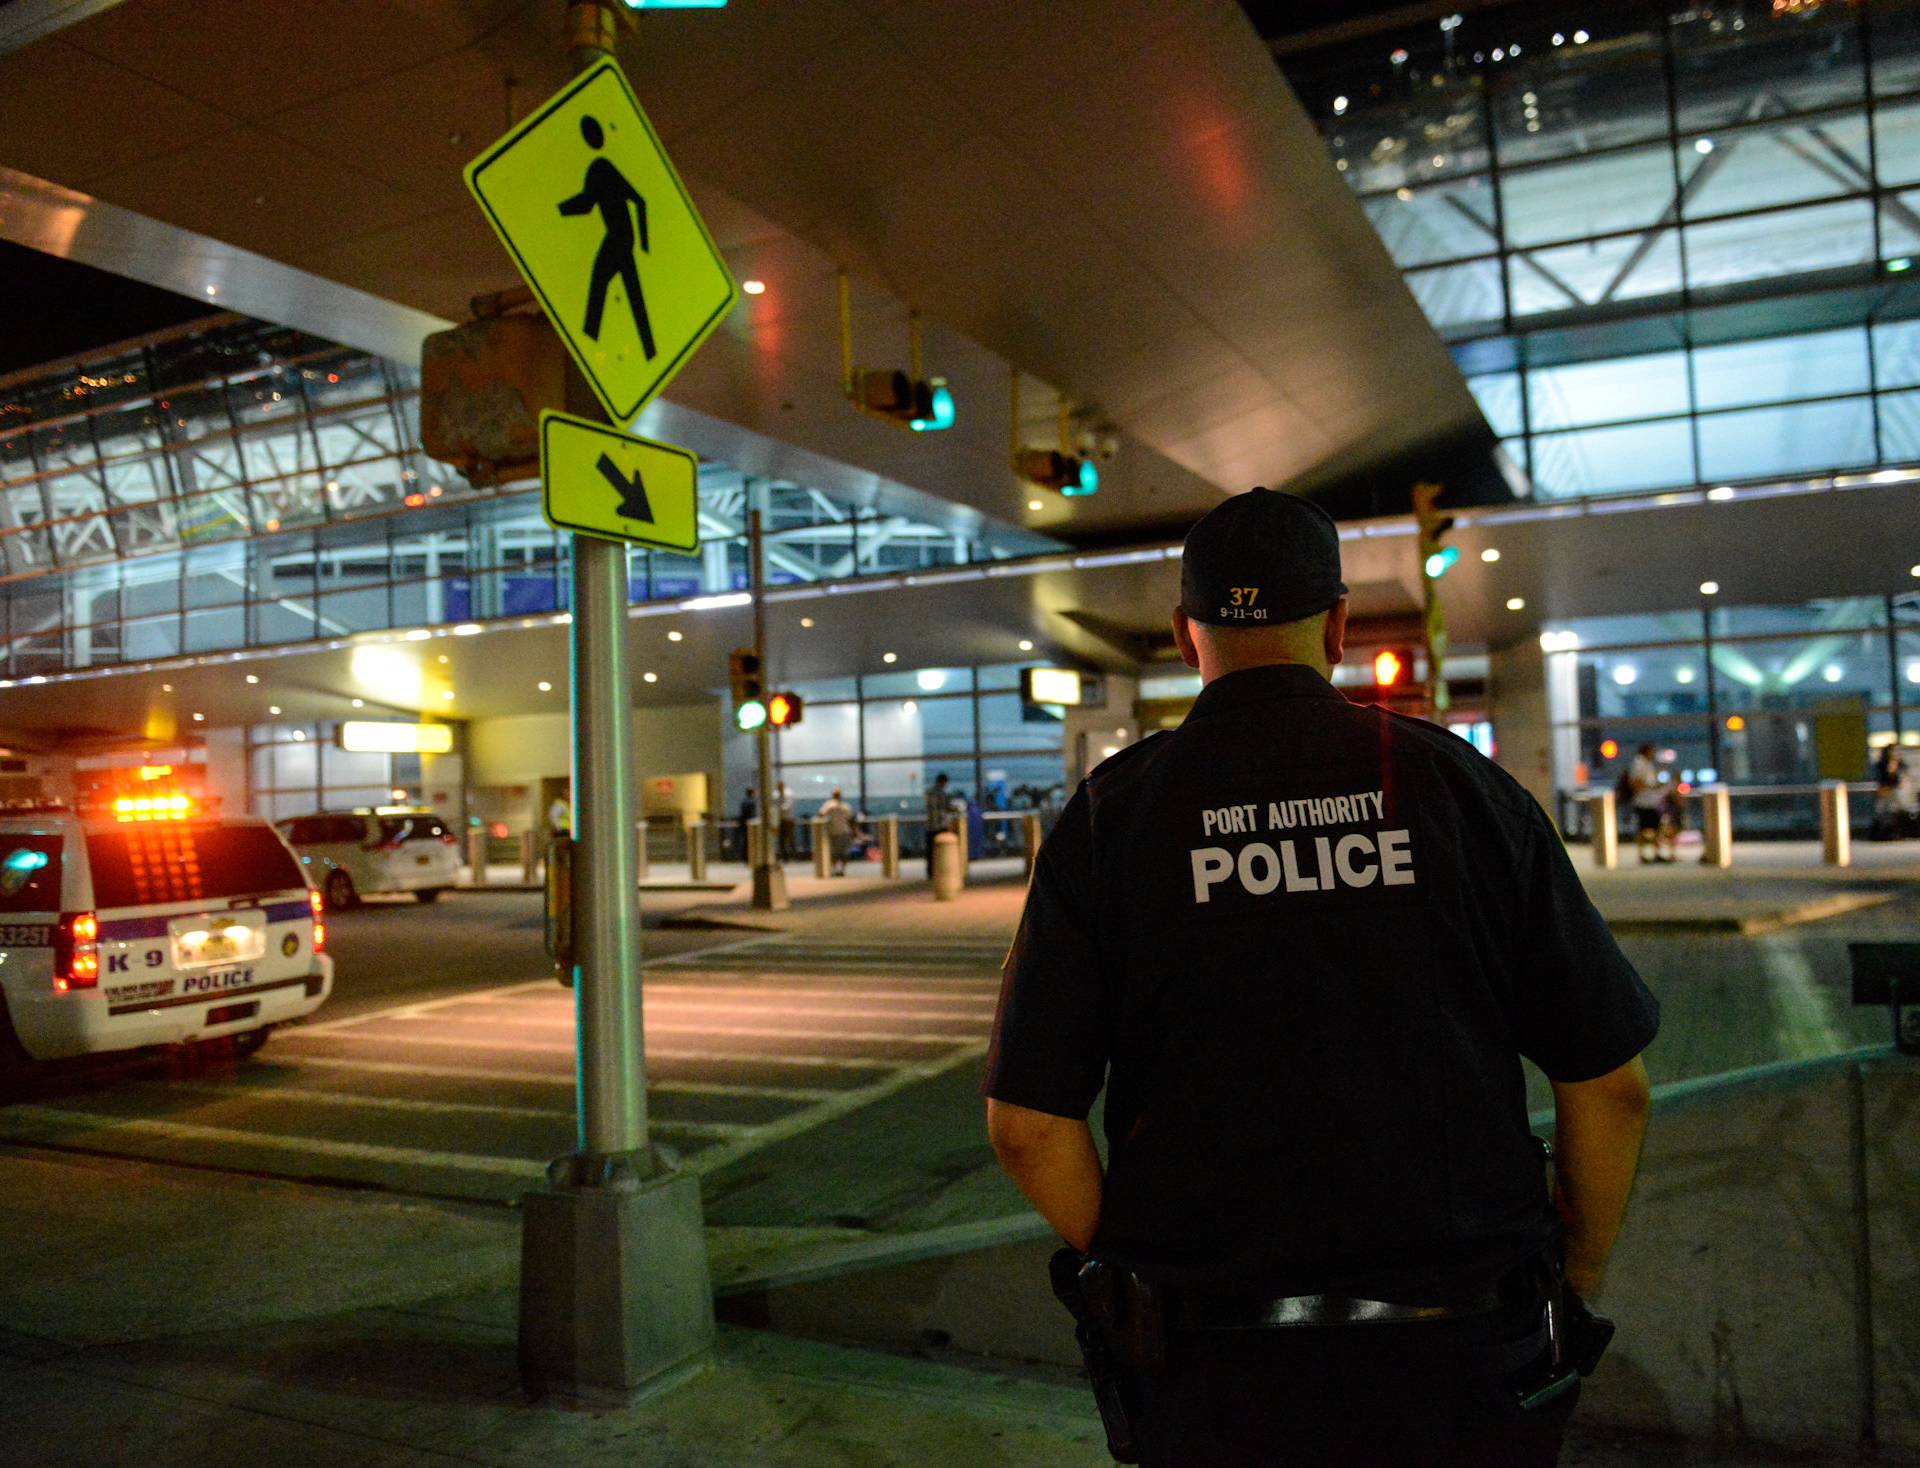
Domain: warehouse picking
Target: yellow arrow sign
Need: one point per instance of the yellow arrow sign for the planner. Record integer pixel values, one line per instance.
(585, 200)
(599, 481)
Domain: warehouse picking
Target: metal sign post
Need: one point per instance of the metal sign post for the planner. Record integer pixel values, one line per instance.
(614, 1294)
(769, 876)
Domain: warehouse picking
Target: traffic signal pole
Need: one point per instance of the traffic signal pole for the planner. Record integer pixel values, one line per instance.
(769, 876)
(614, 1294)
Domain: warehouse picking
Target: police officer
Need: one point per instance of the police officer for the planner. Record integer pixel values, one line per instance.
(1304, 945)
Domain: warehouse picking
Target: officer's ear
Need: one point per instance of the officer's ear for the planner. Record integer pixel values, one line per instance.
(1183, 638)
(1336, 632)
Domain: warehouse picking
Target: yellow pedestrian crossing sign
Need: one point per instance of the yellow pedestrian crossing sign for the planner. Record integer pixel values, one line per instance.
(585, 200)
(598, 481)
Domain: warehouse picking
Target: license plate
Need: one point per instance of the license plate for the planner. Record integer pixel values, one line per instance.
(199, 946)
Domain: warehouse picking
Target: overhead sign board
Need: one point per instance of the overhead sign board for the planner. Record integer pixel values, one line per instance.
(599, 481)
(585, 200)
(365, 736)
(1051, 685)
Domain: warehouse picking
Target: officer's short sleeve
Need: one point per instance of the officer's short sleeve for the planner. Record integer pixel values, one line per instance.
(1580, 1009)
(1049, 1048)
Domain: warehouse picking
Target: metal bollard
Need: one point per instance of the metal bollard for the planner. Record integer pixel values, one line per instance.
(820, 852)
(640, 850)
(1030, 838)
(528, 860)
(477, 855)
(696, 851)
(962, 836)
(889, 846)
(1716, 827)
(948, 875)
(1836, 834)
(1605, 814)
(755, 834)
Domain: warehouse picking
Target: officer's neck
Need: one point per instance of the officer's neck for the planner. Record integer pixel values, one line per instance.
(1216, 664)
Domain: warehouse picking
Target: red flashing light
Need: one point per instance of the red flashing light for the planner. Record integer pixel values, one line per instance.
(1388, 668)
(76, 952)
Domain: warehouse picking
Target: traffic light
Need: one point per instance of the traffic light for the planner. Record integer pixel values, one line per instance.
(924, 404)
(1071, 474)
(1392, 667)
(784, 710)
(749, 715)
(743, 674)
(1436, 556)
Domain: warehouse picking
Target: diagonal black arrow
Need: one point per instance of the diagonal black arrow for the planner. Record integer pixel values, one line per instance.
(634, 504)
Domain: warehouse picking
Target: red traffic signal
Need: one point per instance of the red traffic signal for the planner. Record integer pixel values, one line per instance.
(1391, 667)
(784, 710)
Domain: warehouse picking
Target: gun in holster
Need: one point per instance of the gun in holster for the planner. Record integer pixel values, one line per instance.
(1120, 1323)
(1577, 1336)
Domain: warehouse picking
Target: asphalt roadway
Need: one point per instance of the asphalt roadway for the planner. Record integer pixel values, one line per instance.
(818, 1078)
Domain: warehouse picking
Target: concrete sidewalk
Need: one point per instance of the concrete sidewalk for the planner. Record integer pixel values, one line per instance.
(162, 1317)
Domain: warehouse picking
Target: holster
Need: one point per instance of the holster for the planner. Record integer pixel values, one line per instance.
(1576, 1338)
(1097, 1295)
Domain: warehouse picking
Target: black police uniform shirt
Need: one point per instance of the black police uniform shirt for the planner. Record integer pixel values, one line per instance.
(1305, 944)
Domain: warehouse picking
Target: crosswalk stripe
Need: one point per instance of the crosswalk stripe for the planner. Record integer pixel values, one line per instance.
(486, 1073)
(765, 1032)
(181, 1131)
(537, 1047)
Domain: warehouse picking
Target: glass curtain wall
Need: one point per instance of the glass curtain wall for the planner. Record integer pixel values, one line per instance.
(1671, 245)
(882, 739)
(297, 769)
(1748, 696)
(238, 485)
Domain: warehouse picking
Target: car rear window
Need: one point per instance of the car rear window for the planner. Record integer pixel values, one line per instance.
(410, 828)
(168, 862)
(30, 873)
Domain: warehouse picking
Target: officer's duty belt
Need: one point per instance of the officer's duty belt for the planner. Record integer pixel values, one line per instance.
(1214, 1312)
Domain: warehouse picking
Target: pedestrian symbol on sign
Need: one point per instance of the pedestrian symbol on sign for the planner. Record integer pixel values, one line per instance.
(606, 189)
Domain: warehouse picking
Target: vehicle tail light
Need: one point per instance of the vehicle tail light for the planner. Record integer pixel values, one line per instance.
(76, 952)
(447, 838)
(319, 937)
(319, 928)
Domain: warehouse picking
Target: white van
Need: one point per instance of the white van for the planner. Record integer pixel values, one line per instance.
(388, 848)
(145, 923)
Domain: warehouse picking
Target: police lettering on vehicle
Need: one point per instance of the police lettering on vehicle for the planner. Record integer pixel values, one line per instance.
(136, 993)
(1303, 863)
(216, 981)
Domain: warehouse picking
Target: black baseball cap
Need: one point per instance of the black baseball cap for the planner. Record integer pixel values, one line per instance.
(1261, 558)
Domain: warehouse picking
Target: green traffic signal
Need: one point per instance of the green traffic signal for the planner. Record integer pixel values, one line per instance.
(1440, 560)
(750, 715)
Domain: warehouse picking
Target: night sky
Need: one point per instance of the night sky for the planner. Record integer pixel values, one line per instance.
(53, 308)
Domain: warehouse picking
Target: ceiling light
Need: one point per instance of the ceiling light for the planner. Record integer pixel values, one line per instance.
(199, 718)
(650, 677)
(446, 693)
(889, 657)
(1703, 146)
(1026, 644)
(273, 708)
(1109, 752)
(213, 290)
(417, 634)
(1490, 555)
(299, 734)
(1721, 492)
(1339, 106)
(466, 629)
(1683, 675)
(1559, 38)
(443, 657)
(675, 635)
(359, 703)
(253, 677)
(716, 603)
(1626, 675)
(806, 621)
(1913, 672)
(1036, 504)
(1913, 570)
(909, 707)
(544, 686)
(754, 287)
(1579, 38)
(1516, 603)
(931, 680)
(168, 687)
(1833, 672)
(1709, 588)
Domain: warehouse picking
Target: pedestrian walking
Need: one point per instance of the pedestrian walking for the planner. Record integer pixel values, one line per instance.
(1649, 804)
(836, 817)
(939, 814)
(1303, 945)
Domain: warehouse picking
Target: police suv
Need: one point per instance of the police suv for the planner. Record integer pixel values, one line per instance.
(145, 920)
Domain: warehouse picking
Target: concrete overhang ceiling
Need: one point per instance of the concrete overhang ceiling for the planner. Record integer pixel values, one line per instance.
(1126, 202)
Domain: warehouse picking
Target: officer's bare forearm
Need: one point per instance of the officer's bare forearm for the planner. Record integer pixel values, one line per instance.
(1599, 1125)
(1053, 1161)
